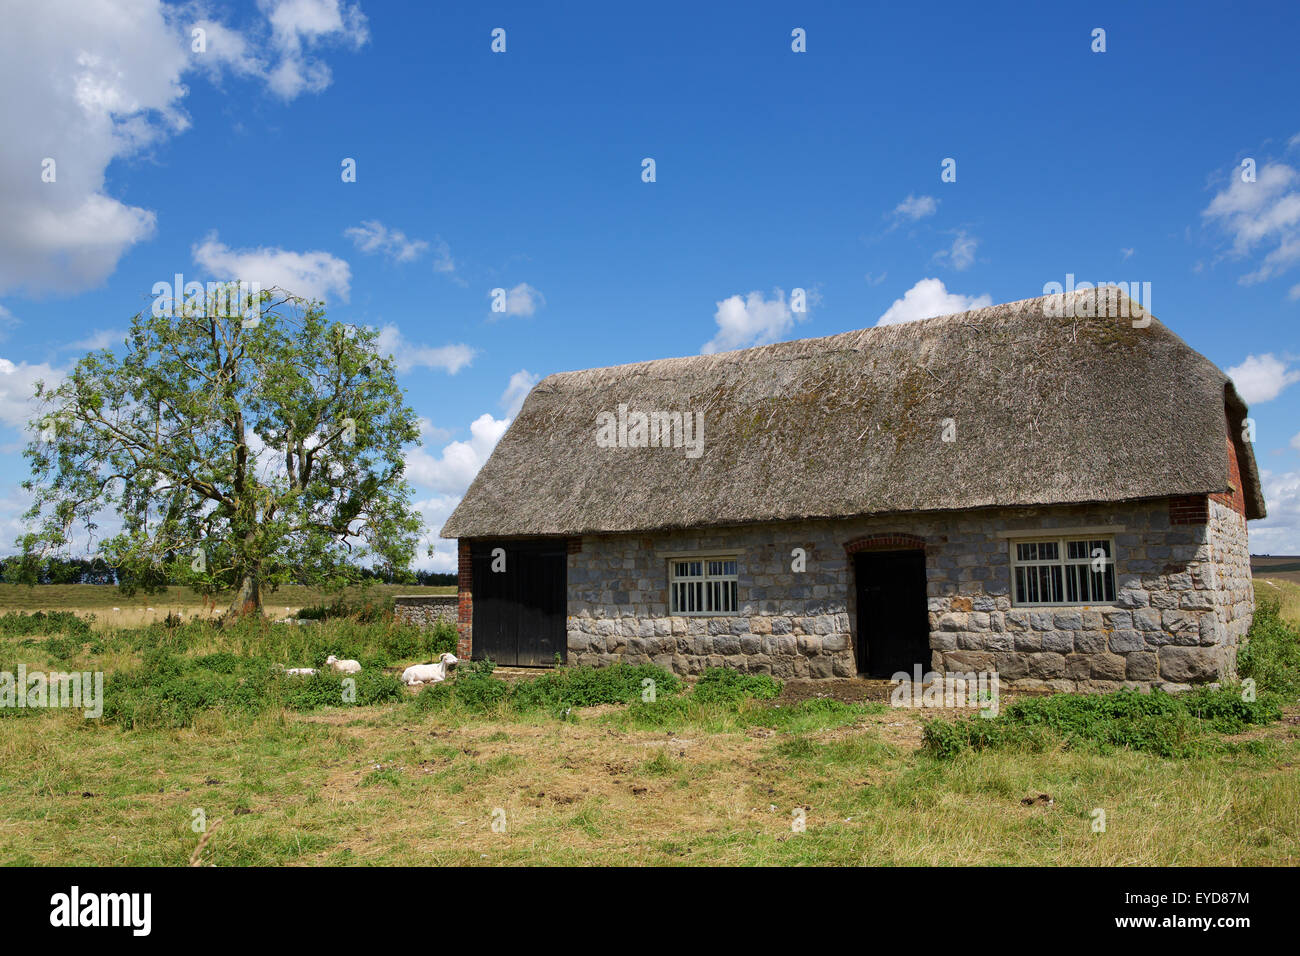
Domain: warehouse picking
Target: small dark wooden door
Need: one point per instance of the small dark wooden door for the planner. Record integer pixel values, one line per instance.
(520, 613)
(893, 622)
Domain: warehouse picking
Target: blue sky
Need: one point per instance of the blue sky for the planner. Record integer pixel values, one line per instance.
(522, 170)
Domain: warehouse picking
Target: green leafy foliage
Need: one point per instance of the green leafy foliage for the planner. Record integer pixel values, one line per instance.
(590, 686)
(720, 685)
(169, 690)
(43, 622)
(1167, 725)
(1270, 654)
(474, 688)
(238, 454)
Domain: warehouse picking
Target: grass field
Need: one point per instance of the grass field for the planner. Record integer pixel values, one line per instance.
(112, 608)
(474, 774)
(1276, 567)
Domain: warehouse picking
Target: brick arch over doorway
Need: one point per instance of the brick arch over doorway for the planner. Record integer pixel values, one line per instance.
(896, 541)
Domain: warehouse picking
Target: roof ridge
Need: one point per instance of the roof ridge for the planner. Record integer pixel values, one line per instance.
(893, 328)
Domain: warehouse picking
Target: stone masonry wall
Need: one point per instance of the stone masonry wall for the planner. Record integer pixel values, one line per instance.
(1234, 596)
(425, 610)
(1183, 600)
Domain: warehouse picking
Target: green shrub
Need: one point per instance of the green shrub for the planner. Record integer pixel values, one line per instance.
(17, 623)
(62, 648)
(1270, 654)
(370, 610)
(1224, 710)
(589, 686)
(721, 685)
(471, 686)
(1158, 723)
(946, 739)
(169, 690)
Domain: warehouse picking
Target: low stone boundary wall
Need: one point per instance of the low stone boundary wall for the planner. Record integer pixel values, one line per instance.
(425, 610)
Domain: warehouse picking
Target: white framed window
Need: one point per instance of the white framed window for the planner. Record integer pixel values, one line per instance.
(704, 585)
(1062, 571)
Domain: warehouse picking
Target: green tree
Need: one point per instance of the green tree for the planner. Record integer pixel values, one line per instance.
(243, 444)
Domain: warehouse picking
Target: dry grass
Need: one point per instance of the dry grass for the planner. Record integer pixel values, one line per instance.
(389, 786)
(1286, 593)
(393, 785)
(114, 609)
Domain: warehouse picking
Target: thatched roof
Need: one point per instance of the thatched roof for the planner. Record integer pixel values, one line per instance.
(1047, 411)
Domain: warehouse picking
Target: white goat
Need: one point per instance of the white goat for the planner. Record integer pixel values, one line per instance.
(429, 673)
(343, 667)
(300, 671)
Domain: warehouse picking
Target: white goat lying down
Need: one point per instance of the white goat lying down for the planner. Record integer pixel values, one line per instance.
(429, 673)
(343, 667)
(299, 671)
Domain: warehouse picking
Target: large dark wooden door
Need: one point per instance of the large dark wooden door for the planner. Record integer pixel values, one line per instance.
(520, 612)
(893, 622)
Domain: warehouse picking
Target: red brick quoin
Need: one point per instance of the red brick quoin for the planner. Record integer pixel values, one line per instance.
(896, 541)
(1195, 509)
(464, 600)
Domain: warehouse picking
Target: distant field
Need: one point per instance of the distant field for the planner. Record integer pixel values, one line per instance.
(1280, 567)
(100, 600)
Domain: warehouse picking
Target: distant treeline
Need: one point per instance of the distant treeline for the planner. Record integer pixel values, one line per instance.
(97, 571)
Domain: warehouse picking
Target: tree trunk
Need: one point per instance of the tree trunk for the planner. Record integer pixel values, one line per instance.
(249, 598)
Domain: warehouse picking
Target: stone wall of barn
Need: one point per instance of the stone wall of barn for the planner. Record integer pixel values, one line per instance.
(1184, 598)
(425, 610)
(1234, 593)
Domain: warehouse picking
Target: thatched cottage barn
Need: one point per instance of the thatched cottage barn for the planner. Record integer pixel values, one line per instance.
(1061, 499)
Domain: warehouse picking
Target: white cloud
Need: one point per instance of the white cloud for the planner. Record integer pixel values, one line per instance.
(1265, 213)
(962, 252)
(102, 81)
(430, 432)
(300, 26)
(17, 386)
(752, 320)
(449, 358)
(1279, 533)
(1294, 293)
(1261, 378)
(450, 473)
(103, 339)
(434, 512)
(1127, 253)
(523, 300)
(7, 321)
(373, 236)
(225, 49)
(453, 470)
(929, 298)
(915, 207)
(442, 260)
(98, 82)
(312, 275)
(521, 383)
(1295, 441)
